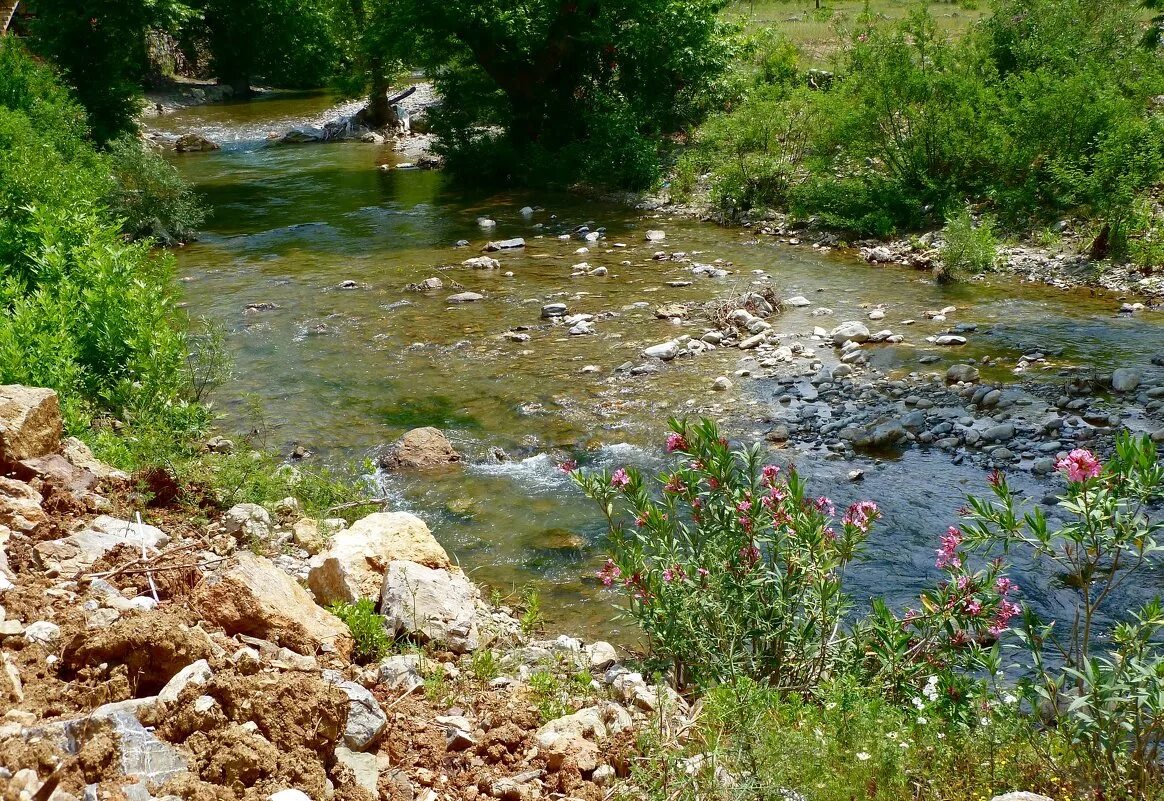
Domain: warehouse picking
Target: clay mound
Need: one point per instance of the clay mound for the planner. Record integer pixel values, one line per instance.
(152, 646)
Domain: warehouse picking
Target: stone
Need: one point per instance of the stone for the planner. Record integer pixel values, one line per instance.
(142, 755)
(671, 310)
(353, 565)
(78, 454)
(601, 655)
(666, 351)
(30, 423)
(436, 605)
(195, 674)
(402, 672)
(481, 263)
(42, 633)
(366, 720)
(966, 373)
(551, 310)
(194, 143)
(950, 339)
(79, 551)
(656, 236)
(999, 433)
(364, 768)
(255, 597)
(420, 449)
(465, 297)
(427, 285)
(721, 384)
(1125, 379)
(799, 301)
(302, 136)
(850, 331)
(306, 534)
(458, 732)
(20, 508)
(247, 522)
(56, 469)
(505, 244)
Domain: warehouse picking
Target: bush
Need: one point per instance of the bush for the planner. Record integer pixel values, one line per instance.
(149, 196)
(372, 642)
(967, 248)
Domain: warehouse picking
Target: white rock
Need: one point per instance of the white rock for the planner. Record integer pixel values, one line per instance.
(247, 522)
(849, 331)
(42, 632)
(437, 605)
(196, 674)
(1125, 379)
(798, 301)
(664, 350)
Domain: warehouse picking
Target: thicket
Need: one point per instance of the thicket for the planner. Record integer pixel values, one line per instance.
(1045, 108)
(736, 574)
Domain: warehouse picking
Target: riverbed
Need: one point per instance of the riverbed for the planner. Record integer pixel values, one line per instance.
(305, 264)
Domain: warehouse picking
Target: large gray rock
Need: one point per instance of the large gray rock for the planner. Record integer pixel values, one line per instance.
(353, 565)
(364, 767)
(142, 756)
(1125, 379)
(30, 423)
(80, 551)
(366, 720)
(966, 373)
(850, 331)
(664, 350)
(194, 143)
(247, 522)
(435, 605)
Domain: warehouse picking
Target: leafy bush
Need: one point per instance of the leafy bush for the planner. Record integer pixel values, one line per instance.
(149, 196)
(967, 248)
(372, 642)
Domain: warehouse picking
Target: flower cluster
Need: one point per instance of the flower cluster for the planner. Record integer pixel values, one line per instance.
(861, 514)
(948, 554)
(1080, 465)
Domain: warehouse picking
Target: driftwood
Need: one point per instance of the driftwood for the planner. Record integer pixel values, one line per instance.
(7, 14)
(406, 93)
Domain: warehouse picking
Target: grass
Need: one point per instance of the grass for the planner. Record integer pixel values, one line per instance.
(372, 642)
(815, 31)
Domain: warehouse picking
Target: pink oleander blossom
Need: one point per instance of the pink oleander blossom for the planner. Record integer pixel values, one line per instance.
(825, 505)
(609, 573)
(973, 607)
(674, 485)
(948, 553)
(641, 521)
(750, 554)
(1079, 465)
(1004, 585)
(568, 466)
(861, 515)
(676, 442)
(769, 473)
(620, 478)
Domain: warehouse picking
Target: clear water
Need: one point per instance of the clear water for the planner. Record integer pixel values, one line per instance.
(343, 372)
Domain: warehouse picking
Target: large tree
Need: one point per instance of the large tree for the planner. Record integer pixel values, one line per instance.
(588, 85)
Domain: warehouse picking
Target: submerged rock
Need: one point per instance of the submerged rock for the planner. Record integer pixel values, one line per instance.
(420, 449)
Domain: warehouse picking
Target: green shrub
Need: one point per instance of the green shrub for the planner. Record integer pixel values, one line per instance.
(372, 642)
(149, 196)
(967, 248)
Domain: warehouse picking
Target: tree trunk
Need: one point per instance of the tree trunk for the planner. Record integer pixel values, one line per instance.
(240, 84)
(378, 114)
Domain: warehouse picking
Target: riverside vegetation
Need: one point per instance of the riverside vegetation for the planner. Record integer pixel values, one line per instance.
(732, 569)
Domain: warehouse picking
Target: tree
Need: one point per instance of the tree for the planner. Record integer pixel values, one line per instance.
(100, 47)
(589, 87)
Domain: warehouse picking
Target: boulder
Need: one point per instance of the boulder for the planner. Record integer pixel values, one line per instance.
(247, 522)
(420, 449)
(194, 674)
(505, 244)
(481, 263)
(850, 331)
(656, 236)
(1125, 379)
(671, 310)
(79, 455)
(257, 598)
(30, 423)
(364, 768)
(79, 551)
(366, 720)
(404, 672)
(465, 297)
(20, 508)
(664, 350)
(966, 373)
(435, 605)
(56, 469)
(194, 143)
(577, 737)
(353, 566)
(302, 136)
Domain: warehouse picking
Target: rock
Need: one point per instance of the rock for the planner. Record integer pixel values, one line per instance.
(194, 143)
(505, 244)
(999, 433)
(56, 469)
(20, 508)
(436, 605)
(306, 534)
(79, 551)
(195, 674)
(143, 755)
(402, 672)
(1125, 379)
(79, 455)
(42, 633)
(247, 522)
(353, 566)
(799, 301)
(721, 384)
(966, 373)
(465, 297)
(850, 331)
(753, 341)
(666, 351)
(302, 136)
(428, 284)
(551, 310)
(30, 423)
(656, 236)
(950, 339)
(420, 449)
(481, 263)
(601, 655)
(257, 598)
(220, 445)
(458, 732)
(670, 311)
(364, 767)
(366, 720)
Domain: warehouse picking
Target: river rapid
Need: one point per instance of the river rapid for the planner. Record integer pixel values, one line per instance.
(341, 372)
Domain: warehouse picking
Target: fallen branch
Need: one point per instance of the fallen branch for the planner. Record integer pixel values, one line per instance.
(358, 504)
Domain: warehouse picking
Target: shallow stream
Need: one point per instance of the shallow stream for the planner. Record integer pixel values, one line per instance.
(343, 372)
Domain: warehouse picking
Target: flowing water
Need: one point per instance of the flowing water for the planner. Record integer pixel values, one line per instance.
(345, 371)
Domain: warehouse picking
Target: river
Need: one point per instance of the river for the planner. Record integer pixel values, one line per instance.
(342, 372)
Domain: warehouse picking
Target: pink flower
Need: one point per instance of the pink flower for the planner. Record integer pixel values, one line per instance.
(948, 553)
(640, 521)
(743, 506)
(568, 466)
(769, 473)
(674, 485)
(829, 533)
(1079, 465)
(703, 572)
(713, 483)
(620, 478)
(963, 583)
(1004, 585)
(861, 514)
(750, 554)
(667, 576)
(676, 442)
(823, 504)
(973, 607)
(609, 573)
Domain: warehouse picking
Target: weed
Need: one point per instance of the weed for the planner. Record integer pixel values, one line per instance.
(367, 628)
